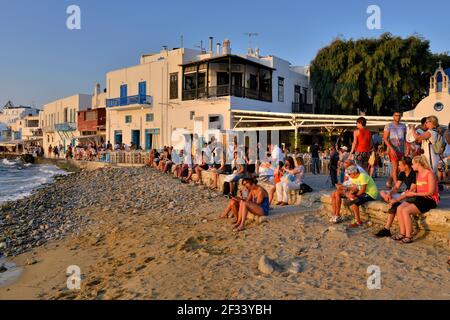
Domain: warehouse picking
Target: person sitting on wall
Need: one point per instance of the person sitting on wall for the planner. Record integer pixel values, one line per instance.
(423, 200)
(218, 169)
(238, 173)
(291, 180)
(188, 169)
(165, 159)
(406, 176)
(257, 203)
(367, 191)
(278, 173)
(201, 165)
(178, 163)
(342, 191)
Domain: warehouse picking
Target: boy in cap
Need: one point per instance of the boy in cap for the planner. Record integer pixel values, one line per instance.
(367, 191)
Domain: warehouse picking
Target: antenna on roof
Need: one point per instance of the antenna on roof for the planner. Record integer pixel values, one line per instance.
(182, 44)
(201, 46)
(250, 35)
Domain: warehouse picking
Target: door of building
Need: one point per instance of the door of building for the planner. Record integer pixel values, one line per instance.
(118, 137)
(148, 140)
(136, 138)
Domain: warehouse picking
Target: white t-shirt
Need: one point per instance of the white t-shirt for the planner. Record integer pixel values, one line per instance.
(175, 157)
(277, 155)
(432, 157)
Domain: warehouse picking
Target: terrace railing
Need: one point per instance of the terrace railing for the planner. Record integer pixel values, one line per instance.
(129, 100)
(66, 126)
(224, 90)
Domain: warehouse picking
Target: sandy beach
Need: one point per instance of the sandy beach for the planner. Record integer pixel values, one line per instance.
(138, 234)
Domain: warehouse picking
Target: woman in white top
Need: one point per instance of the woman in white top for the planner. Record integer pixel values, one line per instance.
(428, 138)
(292, 180)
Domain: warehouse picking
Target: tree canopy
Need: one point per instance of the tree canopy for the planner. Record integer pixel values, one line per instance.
(373, 75)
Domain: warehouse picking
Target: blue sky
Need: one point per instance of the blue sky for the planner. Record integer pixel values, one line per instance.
(41, 60)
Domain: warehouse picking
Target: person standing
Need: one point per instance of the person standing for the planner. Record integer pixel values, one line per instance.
(334, 165)
(394, 138)
(428, 138)
(315, 158)
(343, 156)
(362, 142)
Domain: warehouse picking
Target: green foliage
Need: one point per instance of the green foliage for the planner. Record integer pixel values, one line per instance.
(373, 75)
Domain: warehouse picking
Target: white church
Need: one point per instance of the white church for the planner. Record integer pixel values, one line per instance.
(438, 101)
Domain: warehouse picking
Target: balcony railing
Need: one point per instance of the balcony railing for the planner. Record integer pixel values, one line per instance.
(300, 107)
(224, 90)
(66, 126)
(130, 100)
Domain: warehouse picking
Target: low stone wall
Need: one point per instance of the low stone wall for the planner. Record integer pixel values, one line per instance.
(88, 165)
(435, 222)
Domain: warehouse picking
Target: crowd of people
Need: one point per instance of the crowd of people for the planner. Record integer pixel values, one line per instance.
(417, 156)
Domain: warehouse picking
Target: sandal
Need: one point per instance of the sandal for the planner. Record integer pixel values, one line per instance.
(406, 240)
(398, 237)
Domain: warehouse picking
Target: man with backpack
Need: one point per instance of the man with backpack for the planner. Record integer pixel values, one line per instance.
(433, 144)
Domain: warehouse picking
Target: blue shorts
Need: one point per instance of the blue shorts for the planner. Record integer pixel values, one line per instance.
(265, 205)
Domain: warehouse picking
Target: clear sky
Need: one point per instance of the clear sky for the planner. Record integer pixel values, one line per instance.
(41, 60)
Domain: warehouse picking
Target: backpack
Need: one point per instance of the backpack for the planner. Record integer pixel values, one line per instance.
(439, 145)
(304, 188)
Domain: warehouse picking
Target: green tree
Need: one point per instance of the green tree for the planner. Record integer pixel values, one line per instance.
(373, 75)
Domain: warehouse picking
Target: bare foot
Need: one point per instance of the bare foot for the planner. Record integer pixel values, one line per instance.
(223, 216)
(240, 228)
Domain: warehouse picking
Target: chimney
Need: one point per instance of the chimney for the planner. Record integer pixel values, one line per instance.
(257, 52)
(211, 41)
(226, 47)
(249, 51)
(218, 48)
(97, 89)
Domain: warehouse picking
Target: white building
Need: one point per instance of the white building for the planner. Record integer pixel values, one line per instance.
(180, 88)
(438, 101)
(11, 113)
(28, 130)
(11, 119)
(59, 120)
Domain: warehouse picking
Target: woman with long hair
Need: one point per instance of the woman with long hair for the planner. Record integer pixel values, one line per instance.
(423, 200)
(292, 179)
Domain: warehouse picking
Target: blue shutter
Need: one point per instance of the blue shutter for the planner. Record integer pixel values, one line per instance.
(142, 91)
(123, 94)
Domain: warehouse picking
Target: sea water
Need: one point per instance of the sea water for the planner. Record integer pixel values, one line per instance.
(18, 179)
